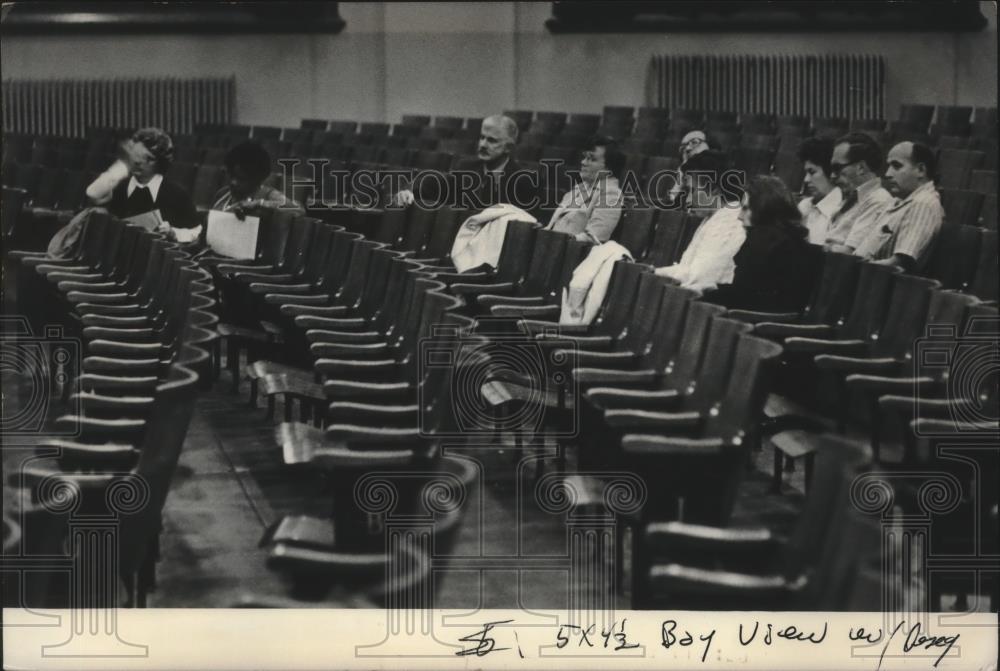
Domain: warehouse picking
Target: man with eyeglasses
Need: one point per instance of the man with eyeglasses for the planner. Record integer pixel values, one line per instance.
(693, 143)
(856, 166)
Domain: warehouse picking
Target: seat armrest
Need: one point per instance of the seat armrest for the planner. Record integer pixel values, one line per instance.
(650, 444)
(495, 300)
(120, 334)
(117, 348)
(880, 384)
(72, 452)
(821, 346)
(708, 541)
(472, 289)
(342, 348)
(299, 305)
(616, 398)
(373, 414)
(649, 419)
(755, 317)
(592, 376)
(861, 365)
(586, 359)
(780, 330)
(272, 288)
(535, 327)
(514, 311)
(262, 277)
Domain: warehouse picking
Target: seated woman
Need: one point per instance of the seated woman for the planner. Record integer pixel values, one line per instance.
(707, 260)
(134, 185)
(591, 210)
(248, 165)
(776, 266)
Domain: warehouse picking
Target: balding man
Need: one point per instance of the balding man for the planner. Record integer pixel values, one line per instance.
(904, 233)
(493, 177)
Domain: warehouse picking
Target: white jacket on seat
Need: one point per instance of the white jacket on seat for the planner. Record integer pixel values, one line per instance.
(585, 293)
(480, 238)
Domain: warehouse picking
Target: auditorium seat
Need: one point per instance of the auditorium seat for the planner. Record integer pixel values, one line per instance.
(830, 127)
(635, 230)
(649, 128)
(984, 182)
(952, 120)
(985, 282)
(961, 207)
(416, 120)
(984, 124)
(522, 118)
(988, 213)
(584, 123)
(701, 567)
(788, 167)
(955, 167)
(753, 161)
(545, 303)
(916, 117)
(886, 386)
(867, 125)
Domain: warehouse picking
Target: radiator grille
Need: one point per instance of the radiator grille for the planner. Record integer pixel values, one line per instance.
(69, 107)
(816, 86)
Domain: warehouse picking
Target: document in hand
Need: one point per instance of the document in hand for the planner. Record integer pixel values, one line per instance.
(231, 236)
(149, 220)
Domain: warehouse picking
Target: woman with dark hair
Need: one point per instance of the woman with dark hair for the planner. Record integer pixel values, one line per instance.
(776, 266)
(591, 210)
(248, 165)
(134, 185)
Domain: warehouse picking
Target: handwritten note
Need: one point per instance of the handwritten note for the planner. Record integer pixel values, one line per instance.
(231, 236)
(740, 637)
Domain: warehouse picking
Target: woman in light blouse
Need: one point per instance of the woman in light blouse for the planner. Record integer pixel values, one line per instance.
(591, 210)
(707, 261)
(247, 166)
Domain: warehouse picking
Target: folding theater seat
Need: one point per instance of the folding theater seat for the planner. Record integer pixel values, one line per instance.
(953, 259)
(761, 124)
(515, 388)
(401, 444)
(95, 471)
(961, 207)
(543, 304)
(378, 294)
(671, 234)
(955, 167)
(709, 567)
(675, 375)
(681, 446)
(539, 276)
(635, 229)
(888, 385)
(984, 280)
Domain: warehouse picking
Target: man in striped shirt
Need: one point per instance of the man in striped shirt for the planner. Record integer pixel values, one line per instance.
(904, 233)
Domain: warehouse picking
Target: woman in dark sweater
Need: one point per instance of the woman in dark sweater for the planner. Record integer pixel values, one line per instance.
(776, 267)
(134, 185)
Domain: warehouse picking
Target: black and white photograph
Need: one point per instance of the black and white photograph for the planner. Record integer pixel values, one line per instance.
(502, 334)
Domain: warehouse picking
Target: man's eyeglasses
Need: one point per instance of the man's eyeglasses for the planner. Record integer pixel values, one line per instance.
(589, 156)
(837, 167)
(693, 142)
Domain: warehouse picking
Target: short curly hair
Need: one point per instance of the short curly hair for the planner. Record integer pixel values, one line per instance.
(159, 145)
(252, 157)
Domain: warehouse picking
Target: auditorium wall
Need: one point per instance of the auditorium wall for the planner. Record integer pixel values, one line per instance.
(473, 58)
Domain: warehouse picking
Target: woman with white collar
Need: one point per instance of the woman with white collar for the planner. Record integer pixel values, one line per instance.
(134, 185)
